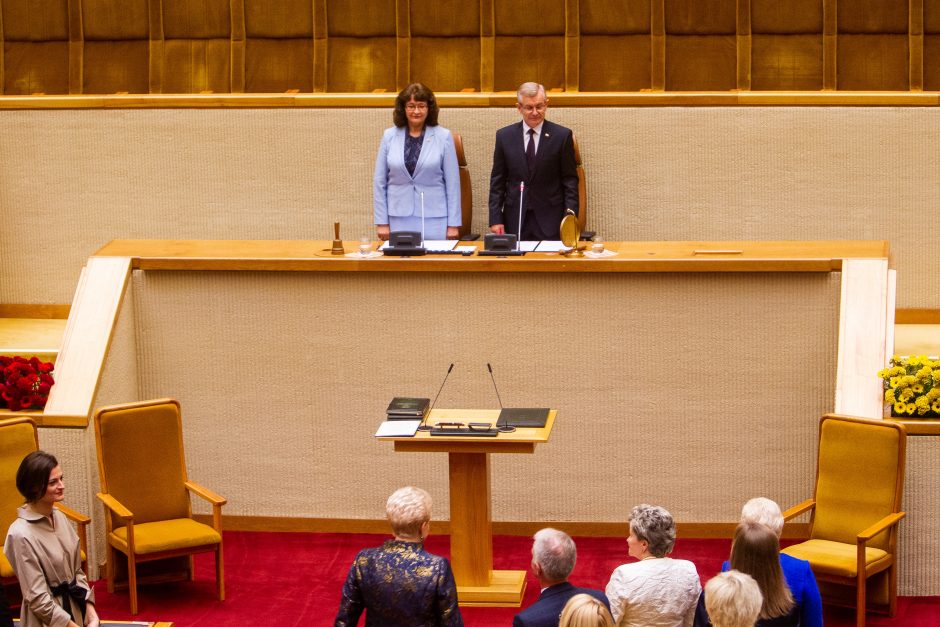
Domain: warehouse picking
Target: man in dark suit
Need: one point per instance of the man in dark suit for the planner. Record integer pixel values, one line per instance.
(553, 559)
(540, 155)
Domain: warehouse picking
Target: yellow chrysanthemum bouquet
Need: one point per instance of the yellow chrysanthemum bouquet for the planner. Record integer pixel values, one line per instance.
(912, 386)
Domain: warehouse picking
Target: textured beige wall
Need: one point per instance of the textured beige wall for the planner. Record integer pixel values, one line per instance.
(72, 180)
(284, 377)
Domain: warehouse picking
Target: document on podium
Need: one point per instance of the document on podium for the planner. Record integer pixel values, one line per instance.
(432, 244)
(528, 245)
(398, 429)
(550, 246)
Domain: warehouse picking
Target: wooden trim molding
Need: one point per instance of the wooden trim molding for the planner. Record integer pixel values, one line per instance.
(697, 530)
(917, 316)
(43, 312)
(655, 98)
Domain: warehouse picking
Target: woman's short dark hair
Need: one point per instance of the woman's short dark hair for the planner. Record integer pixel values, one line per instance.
(421, 94)
(32, 477)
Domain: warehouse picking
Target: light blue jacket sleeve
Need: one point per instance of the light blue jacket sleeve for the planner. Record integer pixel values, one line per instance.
(380, 181)
(452, 182)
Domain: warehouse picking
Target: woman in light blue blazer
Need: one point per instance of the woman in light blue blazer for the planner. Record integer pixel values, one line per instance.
(417, 181)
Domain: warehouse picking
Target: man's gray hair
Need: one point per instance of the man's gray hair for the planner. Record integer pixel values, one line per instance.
(765, 512)
(530, 90)
(555, 552)
(655, 526)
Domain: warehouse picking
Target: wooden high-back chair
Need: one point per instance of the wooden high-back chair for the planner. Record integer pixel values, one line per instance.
(856, 507)
(18, 438)
(146, 493)
(466, 192)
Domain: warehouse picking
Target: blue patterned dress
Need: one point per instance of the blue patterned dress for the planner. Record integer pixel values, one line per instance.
(399, 583)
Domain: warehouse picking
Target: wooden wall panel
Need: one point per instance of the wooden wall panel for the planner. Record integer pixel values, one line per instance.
(873, 16)
(116, 66)
(36, 67)
(274, 65)
(700, 17)
(615, 63)
(359, 18)
(196, 65)
(787, 62)
(35, 20)
(529, 17)
(793, 16)
(872, 62)
(111, 20)
(486, 45)
(440, 18)
(701, 63)
(520, 59)
(446, 63)
(614, 17)
(932, 62)
(361, 65)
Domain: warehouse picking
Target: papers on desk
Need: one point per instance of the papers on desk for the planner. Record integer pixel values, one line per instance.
(398, 429)
(432, 245)
(528, 245)
(466, 249)
(550, 246)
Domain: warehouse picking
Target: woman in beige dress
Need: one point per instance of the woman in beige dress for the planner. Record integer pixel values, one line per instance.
(43, 549)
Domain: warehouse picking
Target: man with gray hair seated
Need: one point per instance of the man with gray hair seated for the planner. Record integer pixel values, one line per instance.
(553, 558)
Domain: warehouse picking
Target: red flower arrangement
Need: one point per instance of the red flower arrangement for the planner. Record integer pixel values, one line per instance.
(24, 383)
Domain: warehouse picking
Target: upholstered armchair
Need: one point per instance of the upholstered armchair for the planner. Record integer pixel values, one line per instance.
(18, 438)
(146, 492)
(856, 508)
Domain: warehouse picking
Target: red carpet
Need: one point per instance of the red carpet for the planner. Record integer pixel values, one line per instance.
(289, 579)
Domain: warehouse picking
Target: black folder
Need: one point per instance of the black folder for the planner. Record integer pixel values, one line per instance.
(534, 417)
(408, 408)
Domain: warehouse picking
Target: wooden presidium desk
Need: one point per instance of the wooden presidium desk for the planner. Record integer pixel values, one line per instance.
(471, 529)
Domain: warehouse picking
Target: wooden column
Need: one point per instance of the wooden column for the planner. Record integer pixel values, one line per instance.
(471, 542)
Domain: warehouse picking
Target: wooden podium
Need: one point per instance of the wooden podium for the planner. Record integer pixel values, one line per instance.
(471, 521)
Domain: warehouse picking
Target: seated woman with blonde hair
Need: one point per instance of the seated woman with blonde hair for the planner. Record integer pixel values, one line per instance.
(733, 599)
(656, 591)
(583, 610)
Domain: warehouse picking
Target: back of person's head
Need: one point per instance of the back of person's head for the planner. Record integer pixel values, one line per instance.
(733, 599)
(756, 551)
(655, 526)
(32, 477)
(555, 553)
(408, 509)
(764, 511)
(583, 610)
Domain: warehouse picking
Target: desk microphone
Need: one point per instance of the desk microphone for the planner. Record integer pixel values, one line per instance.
(518, 240)
(422, 426)
(422, 243)
(503, 429)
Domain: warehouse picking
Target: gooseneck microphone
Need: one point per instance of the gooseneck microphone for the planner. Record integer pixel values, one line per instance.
(501, 428)
(490, 368)
(519, 235)
(423, 426)
(422, 243)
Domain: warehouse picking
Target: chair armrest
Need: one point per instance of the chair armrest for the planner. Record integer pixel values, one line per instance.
(205, 493)
(81, 521)
(802, 508)
(216, 500)
(115, 506)
(888, 521)
(71, 514)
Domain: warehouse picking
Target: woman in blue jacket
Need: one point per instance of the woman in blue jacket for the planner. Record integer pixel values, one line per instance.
(417, 181)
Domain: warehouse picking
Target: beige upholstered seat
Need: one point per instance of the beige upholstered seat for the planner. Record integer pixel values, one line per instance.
(146, 492)
(856, 508)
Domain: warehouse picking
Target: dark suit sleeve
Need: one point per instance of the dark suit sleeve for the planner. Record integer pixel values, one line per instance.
(517, 622)
(351, 605)
(569, 175)
(498, 179)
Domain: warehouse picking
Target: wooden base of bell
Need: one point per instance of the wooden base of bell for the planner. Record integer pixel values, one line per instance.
(506, 589)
